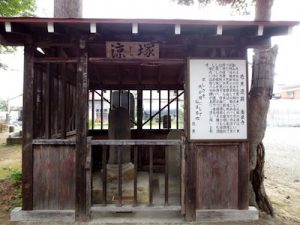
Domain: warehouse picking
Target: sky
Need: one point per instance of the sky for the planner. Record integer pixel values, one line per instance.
(286, 69)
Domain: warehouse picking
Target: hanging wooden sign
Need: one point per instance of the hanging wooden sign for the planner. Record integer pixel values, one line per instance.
(217, 99)
(132, 50)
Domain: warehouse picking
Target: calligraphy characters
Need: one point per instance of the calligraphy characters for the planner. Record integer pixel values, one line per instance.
(218, 99)
(117, 50)
(132, 50)
(146, 49)
(226, 91)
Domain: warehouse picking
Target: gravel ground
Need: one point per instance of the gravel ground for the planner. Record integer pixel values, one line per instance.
(282, 172)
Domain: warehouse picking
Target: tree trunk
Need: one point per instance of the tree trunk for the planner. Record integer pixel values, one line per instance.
(259, 100)
(67, 8)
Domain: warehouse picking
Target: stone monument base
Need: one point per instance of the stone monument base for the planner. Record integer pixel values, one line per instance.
(127, 190)
(113, 172)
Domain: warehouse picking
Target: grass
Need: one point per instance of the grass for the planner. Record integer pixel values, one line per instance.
(10, 157)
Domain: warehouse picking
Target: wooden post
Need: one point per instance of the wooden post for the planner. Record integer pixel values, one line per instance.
(190, 210)
(81, 134)
(27, 151)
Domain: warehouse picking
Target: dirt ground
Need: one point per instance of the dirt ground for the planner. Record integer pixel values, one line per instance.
(282, 171)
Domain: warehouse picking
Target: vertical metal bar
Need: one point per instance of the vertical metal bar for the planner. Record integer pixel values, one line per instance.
(135, 175)
(119, 92)
(166, 176)
(159, 107)
(104, 175)
(102, 101)
(128, 103)
(74, 102)
(150, 176)
(150, 109)
(140, 109)
(120, 176)
(48, 102)
(169, 122)
(177, 110)
(110, 100)
(93, 109)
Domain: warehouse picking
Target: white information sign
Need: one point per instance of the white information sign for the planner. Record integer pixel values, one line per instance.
(218, 99)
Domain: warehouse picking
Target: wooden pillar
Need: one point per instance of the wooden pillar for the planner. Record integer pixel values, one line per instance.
(27, 151)
(81, 135)
(190, 188)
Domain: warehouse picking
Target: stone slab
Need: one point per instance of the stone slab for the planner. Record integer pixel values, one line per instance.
(222, 215)
(17, 214)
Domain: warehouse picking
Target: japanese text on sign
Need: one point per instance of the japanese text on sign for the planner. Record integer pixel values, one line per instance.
(132, 50)
(218, 99)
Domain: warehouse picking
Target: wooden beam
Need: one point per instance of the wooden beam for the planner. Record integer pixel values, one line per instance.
(27, 150)
(137, 142)
(55, 60)
(53, 142)
(136, 61)
(81, 135)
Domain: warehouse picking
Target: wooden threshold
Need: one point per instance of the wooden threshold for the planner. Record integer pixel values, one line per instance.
(130, 208)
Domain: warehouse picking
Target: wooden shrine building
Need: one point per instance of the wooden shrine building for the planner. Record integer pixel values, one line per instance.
(187, 76)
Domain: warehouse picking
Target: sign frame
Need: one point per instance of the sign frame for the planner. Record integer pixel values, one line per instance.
(188, 100)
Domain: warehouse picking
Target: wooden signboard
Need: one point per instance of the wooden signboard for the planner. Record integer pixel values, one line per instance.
(217, 99)
(132, 50)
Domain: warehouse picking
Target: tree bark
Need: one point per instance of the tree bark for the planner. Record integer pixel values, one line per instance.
(259, 100)
(67, 8)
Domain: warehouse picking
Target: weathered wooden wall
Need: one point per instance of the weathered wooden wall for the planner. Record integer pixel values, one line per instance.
(221, 176)
(54, 177)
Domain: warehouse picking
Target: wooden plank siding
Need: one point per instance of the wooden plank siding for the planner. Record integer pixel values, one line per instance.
(221, 176)
(54, 177)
